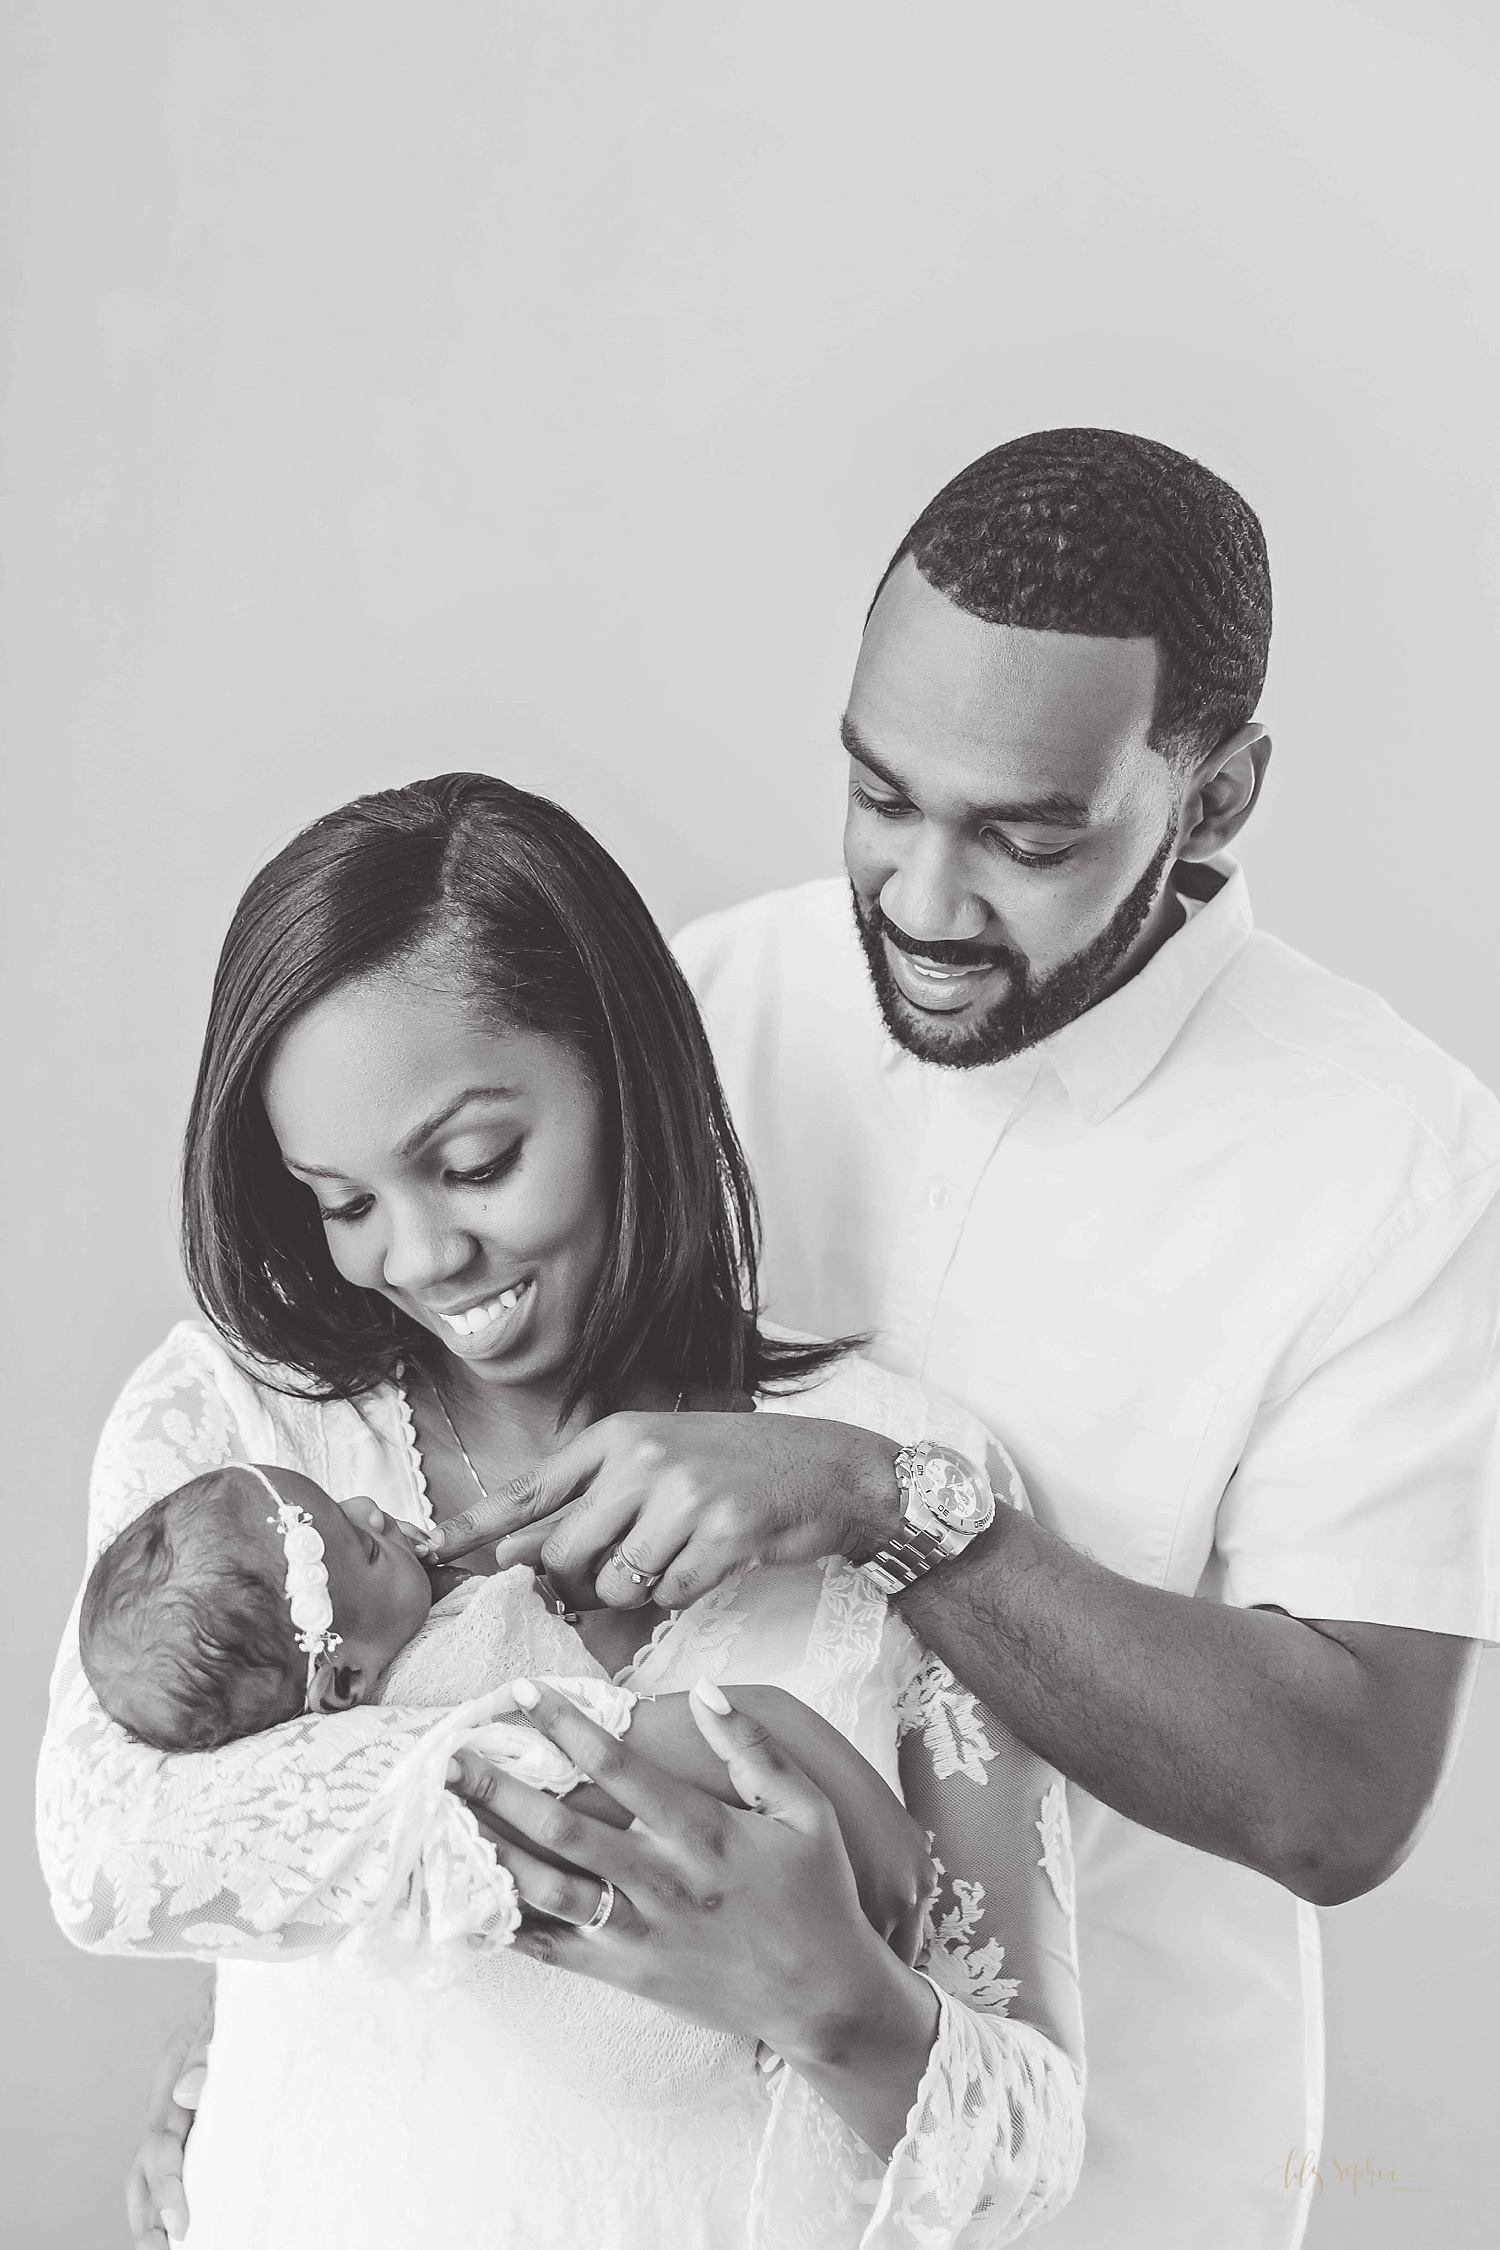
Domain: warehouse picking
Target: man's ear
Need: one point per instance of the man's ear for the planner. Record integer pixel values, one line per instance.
(1223, 792)
(338, 1687)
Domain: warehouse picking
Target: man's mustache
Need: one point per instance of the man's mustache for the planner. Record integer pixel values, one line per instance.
(945, 953)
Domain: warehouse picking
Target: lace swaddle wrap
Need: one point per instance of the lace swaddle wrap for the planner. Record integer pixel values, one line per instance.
(603, 2044)
(444, 1898)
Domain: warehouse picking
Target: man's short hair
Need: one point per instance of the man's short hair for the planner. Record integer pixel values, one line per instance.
(1095, 531)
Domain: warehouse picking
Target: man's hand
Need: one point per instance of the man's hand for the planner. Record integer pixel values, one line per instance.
(154, 2202)
(662, 1507)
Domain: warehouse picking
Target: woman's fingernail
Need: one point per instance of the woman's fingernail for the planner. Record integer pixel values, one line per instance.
(714, 1697)
(526, 1693)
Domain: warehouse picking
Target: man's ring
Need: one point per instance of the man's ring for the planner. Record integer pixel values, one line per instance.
(603, 1910)
(645, 1577)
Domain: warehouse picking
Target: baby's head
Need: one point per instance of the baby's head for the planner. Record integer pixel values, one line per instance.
(242, 1599)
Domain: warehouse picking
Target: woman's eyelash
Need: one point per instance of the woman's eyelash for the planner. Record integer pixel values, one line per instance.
(890, 809)
(354, 1210)
(484, 1174)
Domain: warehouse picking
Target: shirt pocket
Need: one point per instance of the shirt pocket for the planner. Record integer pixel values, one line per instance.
(1113, 1450)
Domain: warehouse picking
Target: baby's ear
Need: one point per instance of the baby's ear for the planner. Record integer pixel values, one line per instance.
(338, 1687)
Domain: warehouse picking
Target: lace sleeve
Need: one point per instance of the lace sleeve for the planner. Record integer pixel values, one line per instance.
(267, 1846)
(994, 2140)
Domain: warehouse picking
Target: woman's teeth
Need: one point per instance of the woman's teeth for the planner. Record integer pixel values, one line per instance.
(479, 1317)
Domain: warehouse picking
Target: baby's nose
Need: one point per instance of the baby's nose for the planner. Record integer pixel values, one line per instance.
(360, 1504)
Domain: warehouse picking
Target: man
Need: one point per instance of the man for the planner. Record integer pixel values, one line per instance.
(1206, 1235)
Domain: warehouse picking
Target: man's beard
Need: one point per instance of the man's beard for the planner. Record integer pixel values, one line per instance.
(1033, 1008)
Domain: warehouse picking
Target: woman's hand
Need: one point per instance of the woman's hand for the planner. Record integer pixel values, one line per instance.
(893, 1867)
(747, 1921)
(662, 1507)
(154, 2202)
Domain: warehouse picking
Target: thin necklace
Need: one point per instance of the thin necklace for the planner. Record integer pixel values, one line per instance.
(464, 1451)
(458, 1441)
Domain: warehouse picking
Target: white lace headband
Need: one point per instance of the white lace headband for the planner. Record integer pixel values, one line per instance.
(307, 1592)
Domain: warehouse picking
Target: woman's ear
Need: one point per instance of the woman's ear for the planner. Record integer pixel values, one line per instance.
(1223, 793)
(338, 1687)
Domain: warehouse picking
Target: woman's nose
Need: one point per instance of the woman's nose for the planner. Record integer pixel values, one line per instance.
(928, 894)
(423, 1252)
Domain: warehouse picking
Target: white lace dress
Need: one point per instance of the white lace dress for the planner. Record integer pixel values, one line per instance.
(514, 2107)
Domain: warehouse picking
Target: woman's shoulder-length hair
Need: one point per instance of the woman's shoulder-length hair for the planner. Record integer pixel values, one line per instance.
(552, 938)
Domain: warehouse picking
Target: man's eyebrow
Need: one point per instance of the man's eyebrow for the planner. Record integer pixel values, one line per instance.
(1054, 808)
(423, 1132)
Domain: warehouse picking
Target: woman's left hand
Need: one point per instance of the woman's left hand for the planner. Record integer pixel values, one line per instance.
(748, 1922)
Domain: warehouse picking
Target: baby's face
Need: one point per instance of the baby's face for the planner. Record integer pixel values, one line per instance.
(380, 1592)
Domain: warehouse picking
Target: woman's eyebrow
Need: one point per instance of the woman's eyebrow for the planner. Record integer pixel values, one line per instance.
(421, 1133)
(449, 1110)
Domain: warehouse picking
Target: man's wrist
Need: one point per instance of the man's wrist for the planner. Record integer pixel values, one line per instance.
(874, 1494)
(980, 1564)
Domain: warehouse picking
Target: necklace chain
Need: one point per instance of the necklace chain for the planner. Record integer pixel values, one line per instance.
(484, 1491)
(458, 1441)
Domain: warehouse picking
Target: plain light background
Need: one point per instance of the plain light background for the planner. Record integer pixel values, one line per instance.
(543, 388)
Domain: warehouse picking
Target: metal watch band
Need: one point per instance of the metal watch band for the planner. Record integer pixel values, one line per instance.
(904, 1558)
(917, 1545)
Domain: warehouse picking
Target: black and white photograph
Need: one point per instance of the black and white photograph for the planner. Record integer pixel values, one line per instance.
(752, 1148)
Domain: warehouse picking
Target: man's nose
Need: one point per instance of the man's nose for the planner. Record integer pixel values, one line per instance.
(424, 1251)
(929, 893)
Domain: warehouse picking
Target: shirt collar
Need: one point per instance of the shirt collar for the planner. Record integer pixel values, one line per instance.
(1103, 1056)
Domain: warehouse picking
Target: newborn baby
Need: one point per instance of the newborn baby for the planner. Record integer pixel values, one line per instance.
(248, 1597)
(245, 1598)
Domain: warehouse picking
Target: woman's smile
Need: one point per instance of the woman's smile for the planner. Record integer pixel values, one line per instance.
(477, 1327)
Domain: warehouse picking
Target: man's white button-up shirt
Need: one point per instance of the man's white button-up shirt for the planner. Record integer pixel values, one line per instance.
(1220, 1264)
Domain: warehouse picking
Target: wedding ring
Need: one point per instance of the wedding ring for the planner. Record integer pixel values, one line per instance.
(603, 1910)
(645, 1577)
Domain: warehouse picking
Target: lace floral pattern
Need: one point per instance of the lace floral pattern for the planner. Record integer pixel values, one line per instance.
(952, 1956)
(949, 1719)
(1056, 1861)
(300, 1840)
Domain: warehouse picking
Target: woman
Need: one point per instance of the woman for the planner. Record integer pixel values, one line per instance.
(459, 1179)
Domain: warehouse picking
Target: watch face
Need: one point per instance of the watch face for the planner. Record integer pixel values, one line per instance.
(945, 1484)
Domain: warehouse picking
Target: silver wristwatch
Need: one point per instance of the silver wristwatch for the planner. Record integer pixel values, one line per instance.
(945, 1503)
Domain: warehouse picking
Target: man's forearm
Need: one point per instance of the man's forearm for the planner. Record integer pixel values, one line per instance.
(1244, 1732)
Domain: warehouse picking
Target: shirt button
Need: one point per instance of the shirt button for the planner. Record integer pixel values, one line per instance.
(937, 1196)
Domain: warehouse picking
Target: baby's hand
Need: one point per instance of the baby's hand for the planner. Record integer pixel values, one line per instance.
(443, 1578)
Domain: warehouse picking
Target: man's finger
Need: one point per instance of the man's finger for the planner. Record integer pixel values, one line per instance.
(141, 2214)
(160, 2160)
(188, 2091)
(649, 1542)
(580, 1541)
(765, 1777)
(544, 1489)
(703, 1562)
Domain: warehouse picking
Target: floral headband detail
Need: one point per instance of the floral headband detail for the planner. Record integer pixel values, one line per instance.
(307, 1592)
